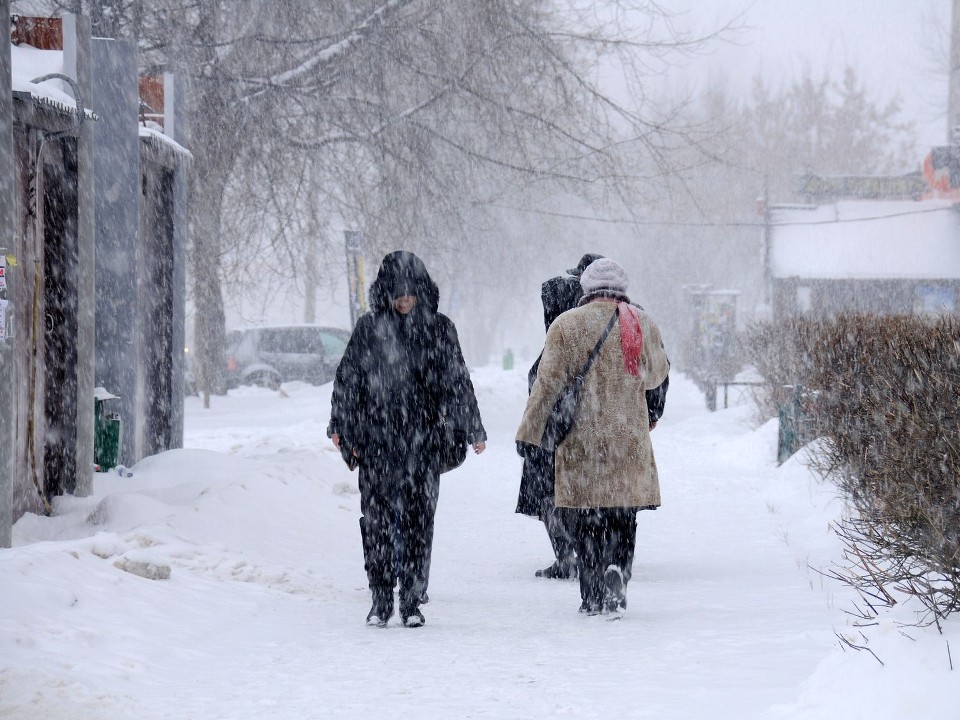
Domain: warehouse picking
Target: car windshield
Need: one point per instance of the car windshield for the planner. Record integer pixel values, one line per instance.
(333, 345)
(295, 340)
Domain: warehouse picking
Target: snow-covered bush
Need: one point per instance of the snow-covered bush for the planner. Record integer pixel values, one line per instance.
(888, 409)
(781, 355)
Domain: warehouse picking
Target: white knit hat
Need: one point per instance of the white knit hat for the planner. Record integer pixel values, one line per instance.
(604, 274)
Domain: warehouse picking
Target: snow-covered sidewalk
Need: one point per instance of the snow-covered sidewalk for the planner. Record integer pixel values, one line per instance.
(262, 614)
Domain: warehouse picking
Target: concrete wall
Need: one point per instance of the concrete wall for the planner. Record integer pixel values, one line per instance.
(141, 227)
(175, 125)
(78, 64)
(115, 99)
(7, 241)
(82, 293)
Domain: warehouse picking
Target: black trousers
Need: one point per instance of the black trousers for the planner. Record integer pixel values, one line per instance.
(398, 501)
(562, 537)
(604, 537)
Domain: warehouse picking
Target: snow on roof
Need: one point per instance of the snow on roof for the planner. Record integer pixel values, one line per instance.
(28, 63)
(867, 239)
(101, 393)
(151, 133)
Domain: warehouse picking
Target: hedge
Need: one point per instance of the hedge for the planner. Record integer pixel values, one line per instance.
(887, 405)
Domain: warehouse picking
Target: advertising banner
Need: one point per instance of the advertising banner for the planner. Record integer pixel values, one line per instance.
(353, 242)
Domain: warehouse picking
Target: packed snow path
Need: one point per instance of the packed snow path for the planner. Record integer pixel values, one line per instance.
(263, 613)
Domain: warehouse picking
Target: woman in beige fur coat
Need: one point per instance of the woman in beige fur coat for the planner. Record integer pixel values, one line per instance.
(605, 469)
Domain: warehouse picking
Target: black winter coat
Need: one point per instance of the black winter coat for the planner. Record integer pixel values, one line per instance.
(558, 294)
(402, 374)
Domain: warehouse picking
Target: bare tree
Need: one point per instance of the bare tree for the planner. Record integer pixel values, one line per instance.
(414, 117)
(754, 148)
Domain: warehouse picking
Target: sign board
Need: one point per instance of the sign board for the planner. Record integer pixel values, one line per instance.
(353, 242)
(713, 338)
(4, 303)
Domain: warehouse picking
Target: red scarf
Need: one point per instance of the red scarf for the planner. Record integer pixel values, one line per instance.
(631, 338)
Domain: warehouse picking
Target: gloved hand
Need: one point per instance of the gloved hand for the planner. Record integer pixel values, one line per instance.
(349, 455)
(523, 448)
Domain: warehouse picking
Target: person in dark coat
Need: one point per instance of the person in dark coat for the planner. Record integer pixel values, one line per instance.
(536, 497)
(558, 295)
(401, 378)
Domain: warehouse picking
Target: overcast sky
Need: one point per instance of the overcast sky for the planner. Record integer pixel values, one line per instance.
(897, 46)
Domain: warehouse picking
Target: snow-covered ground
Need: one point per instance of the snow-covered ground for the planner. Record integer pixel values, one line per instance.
(262, 614)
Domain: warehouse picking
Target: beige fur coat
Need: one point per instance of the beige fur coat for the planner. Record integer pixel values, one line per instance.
(607, 459)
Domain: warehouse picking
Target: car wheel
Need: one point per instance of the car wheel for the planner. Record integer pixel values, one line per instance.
(319, 377)
(264, 380)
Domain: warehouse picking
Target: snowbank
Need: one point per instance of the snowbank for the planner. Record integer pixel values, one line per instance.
(226, 581)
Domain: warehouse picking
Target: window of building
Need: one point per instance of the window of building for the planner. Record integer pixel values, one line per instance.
(934, 300)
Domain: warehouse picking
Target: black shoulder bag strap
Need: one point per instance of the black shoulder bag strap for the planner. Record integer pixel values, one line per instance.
(564, 410)
(600, 342)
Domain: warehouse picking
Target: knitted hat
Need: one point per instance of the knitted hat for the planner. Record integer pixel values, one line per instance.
(604, 274)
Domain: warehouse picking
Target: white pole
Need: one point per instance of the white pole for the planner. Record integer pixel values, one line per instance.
(953, 99)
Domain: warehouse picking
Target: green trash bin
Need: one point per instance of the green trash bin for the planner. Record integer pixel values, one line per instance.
(508, 359)
(106, 432)
(796, 424)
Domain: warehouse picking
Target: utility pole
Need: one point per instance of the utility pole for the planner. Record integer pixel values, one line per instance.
(7, 245)
(953, 99)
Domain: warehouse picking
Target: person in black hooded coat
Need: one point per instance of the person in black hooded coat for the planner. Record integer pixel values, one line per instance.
(401, 378)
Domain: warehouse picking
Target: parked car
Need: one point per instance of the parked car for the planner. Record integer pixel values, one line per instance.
(269, 356)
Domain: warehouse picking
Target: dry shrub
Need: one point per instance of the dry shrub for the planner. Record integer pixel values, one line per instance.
(888, 403)
(781, 354)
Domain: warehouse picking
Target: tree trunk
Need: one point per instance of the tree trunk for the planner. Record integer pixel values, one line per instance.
(310, 275)
(209, 325)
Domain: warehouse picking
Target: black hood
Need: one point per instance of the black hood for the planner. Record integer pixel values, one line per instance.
(403, 273)
(558, 295)
(584, 263)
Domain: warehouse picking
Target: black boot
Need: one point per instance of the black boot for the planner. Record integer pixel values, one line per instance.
(563, 544)
(617, 560)
(614, 593)
(589, 539)
(382, 608)
(559, 571)
(411, 595)
(411, 616)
